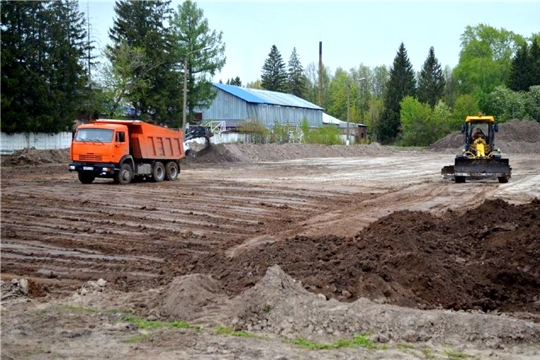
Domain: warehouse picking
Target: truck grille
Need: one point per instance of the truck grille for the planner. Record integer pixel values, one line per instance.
(90, 158)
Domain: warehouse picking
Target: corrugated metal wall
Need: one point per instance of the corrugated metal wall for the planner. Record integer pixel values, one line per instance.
(227, 107)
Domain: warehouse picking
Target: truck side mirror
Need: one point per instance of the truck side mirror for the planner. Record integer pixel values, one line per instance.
(463, 129)
(496, 127)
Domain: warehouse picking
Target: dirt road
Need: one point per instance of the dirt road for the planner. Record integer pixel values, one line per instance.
(60, 234)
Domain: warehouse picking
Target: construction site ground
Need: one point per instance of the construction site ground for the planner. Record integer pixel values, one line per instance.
(272, 251)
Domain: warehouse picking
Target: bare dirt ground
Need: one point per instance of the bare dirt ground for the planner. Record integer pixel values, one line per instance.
(265, 258)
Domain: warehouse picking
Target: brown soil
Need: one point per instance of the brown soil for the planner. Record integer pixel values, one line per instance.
(322, 246)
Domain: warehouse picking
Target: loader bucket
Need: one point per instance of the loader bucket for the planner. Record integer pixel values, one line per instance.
(482, 168)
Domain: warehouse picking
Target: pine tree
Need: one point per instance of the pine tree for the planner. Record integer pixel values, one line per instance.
(140, 25)
(42, 75)
(69, 77)
(431, 81)
(534, 63)
(202, 48)
(519, 79)
(402, 83)
(274, 76)
(297, 81)
(234, 81)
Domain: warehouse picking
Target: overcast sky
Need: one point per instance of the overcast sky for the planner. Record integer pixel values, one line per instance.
(352, 32)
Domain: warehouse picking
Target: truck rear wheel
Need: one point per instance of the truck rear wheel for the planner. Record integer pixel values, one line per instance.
(86, 178)
(503, 179)
(158, 173)
(460, 179)
(124, 175)
(171, 171)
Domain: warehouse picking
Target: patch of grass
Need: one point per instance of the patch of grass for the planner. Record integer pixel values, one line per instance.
(359, 340)
(453, 355)
(147, 324)
(267, 308)
(428, 354)
(405, 346)
(137, 338)
(224, 330)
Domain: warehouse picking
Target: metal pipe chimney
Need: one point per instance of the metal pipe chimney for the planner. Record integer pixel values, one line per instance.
(320, 73)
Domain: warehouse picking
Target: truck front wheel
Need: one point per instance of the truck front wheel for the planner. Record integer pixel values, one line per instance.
(124, 175)
(159, 172)
(171, 171)
(86, 178)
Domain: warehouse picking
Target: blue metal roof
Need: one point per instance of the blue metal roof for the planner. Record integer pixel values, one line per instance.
(258, 96)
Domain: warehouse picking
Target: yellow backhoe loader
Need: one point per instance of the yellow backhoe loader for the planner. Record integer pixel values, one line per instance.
(479, 159)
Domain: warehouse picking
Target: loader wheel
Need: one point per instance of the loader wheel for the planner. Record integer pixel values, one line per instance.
(124, 175)
(460, 179)
(503, 179)
(86, 178)
(172, 170)
(158, 174)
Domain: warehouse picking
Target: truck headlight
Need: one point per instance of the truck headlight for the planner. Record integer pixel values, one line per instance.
(71, 167)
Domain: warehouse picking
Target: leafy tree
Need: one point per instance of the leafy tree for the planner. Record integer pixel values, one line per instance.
(505, 104)
(381, 75)
(532, 103)
(340, 88)
(254, 85)
(140, 25)
(415, 121)
(465, 105)
(312, 93)
(274, 75)
(402, 83)
(485, 59)
(451, 88)
(296, 78)
(202, 49)
(431, 81)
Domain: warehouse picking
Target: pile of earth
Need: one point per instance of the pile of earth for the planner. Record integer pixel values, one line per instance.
(486, 259)
(514, 137)
(279, 304)
(36, 157)
(241, 152)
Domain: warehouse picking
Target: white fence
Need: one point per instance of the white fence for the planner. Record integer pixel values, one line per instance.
(9, 143)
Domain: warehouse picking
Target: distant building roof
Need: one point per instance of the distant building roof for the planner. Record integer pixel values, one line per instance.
(329, 119)
(258, 96)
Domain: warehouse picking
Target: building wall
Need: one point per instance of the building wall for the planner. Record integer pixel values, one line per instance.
(284, 115)
(229, 108)
(225, 107)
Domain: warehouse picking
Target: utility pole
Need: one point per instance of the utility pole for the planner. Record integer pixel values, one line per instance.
(348, 110)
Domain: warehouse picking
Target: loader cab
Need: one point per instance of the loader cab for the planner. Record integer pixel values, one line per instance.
(487, 126)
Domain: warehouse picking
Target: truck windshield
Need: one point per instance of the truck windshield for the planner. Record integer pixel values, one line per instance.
(98, 135)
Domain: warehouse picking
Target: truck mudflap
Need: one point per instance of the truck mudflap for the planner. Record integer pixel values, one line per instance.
(465, 168)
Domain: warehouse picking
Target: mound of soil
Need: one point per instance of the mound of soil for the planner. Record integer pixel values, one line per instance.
(36, 157)
(487, 259)
(514, 137)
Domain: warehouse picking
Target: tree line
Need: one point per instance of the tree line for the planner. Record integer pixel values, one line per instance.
(51, 76)
(48, 58)
(498, 74)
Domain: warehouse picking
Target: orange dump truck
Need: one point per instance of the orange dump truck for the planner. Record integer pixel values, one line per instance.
(125, 149)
